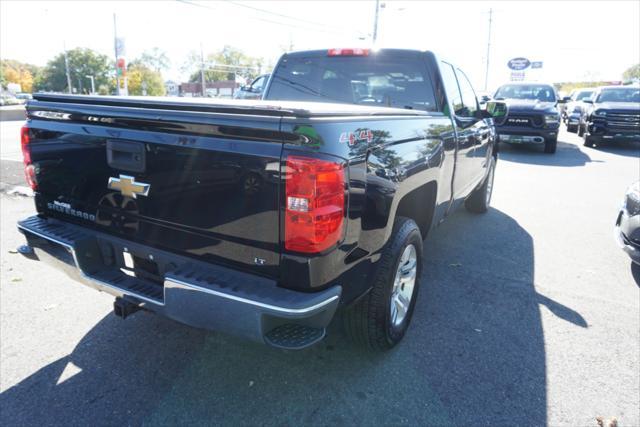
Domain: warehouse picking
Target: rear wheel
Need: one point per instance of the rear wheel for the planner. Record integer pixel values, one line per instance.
(580, 130)
(550, 145)
(380, 319)
(479, 200)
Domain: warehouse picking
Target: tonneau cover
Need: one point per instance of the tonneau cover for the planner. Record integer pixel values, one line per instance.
(231, 106)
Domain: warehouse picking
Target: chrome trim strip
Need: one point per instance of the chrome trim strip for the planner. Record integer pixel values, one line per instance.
(252, 302)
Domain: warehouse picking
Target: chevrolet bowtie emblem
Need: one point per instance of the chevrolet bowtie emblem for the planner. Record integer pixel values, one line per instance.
(128, 186)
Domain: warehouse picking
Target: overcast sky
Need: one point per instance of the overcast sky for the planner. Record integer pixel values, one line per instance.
(576, 40)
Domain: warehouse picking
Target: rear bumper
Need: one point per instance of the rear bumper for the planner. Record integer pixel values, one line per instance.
(194, 293)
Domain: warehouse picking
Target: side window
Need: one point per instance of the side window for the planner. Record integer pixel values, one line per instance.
(451, 85)
(258, 84)
(469, 99)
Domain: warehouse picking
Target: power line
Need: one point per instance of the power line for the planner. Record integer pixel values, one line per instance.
(270, 21)
(281, 15)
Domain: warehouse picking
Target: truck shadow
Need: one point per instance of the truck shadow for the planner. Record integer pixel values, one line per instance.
(625, 148)
(566, 155)
(474, 354)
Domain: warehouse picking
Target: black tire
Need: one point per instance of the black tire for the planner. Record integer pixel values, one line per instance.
(572, 128)
(588, 141)
(479, 200)
(368, 322)
(580, 130)
(550, 145)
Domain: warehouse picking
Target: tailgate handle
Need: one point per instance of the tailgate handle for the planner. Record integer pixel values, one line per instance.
(126, 155)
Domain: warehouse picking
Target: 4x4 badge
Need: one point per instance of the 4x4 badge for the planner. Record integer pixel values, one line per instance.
(128, 186)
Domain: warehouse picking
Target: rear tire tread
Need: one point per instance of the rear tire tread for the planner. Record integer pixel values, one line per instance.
(366, 322)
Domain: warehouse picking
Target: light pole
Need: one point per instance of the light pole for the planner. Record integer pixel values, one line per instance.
(375, 22)
(93, 84)
(66, 67)
(486, 73)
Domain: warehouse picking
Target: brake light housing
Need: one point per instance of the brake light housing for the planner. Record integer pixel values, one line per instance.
(29, 168)
(348, 52)
(315, 204)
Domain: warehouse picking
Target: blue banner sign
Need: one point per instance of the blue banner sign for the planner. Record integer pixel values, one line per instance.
(519, 64)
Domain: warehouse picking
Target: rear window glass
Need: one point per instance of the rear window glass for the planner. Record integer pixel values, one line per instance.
(363, 80)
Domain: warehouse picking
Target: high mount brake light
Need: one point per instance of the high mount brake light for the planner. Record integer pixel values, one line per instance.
(348, 52)
(314, 213)
(29, 169)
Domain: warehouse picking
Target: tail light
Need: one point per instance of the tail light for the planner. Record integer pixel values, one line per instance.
(315, 204)
(29, 169)
(348, 52)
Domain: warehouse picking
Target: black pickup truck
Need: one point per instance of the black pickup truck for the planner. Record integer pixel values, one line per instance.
(612, 114)
(261, 218)
(534, 115)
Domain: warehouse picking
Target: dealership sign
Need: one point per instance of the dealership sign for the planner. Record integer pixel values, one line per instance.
(518, 64)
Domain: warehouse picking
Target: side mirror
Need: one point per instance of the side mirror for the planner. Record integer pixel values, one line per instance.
(497, 110)
(588, 101)
(484, 99)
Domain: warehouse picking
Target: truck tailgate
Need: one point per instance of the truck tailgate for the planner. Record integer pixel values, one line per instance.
(200, 184)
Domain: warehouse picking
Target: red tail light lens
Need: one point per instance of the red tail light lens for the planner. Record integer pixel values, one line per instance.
(314, 212)
(24, 143)
(29, 169)
(348, 52)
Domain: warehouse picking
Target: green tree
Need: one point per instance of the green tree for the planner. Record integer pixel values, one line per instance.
(18, 72)
(143, 80)
(156, 59)
(215, 65)
(632, 73)
(82, 63)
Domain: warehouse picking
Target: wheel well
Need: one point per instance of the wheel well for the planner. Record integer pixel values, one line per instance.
(419, 205)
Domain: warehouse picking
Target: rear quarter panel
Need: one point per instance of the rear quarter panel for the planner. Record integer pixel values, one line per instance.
(387, 158)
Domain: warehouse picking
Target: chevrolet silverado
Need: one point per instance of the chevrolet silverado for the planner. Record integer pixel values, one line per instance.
(262, 218)
(612, 114)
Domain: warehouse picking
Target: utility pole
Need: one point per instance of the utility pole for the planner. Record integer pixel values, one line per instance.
(375, 23)
(93, 84)
(486, 74)
(66, 66)
(202, 70)
(115, 50)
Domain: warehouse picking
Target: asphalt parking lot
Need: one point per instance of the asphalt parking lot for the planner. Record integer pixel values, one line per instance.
(528, 315)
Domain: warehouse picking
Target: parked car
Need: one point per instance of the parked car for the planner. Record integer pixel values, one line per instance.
(127, 200)
(534, 116)
(574, 108)
(8, 99)
(253, 90)
(611, 114)
(627, 230)
(24, 96)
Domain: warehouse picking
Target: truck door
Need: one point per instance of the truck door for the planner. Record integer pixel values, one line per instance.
(465, 171)
(478, 127)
